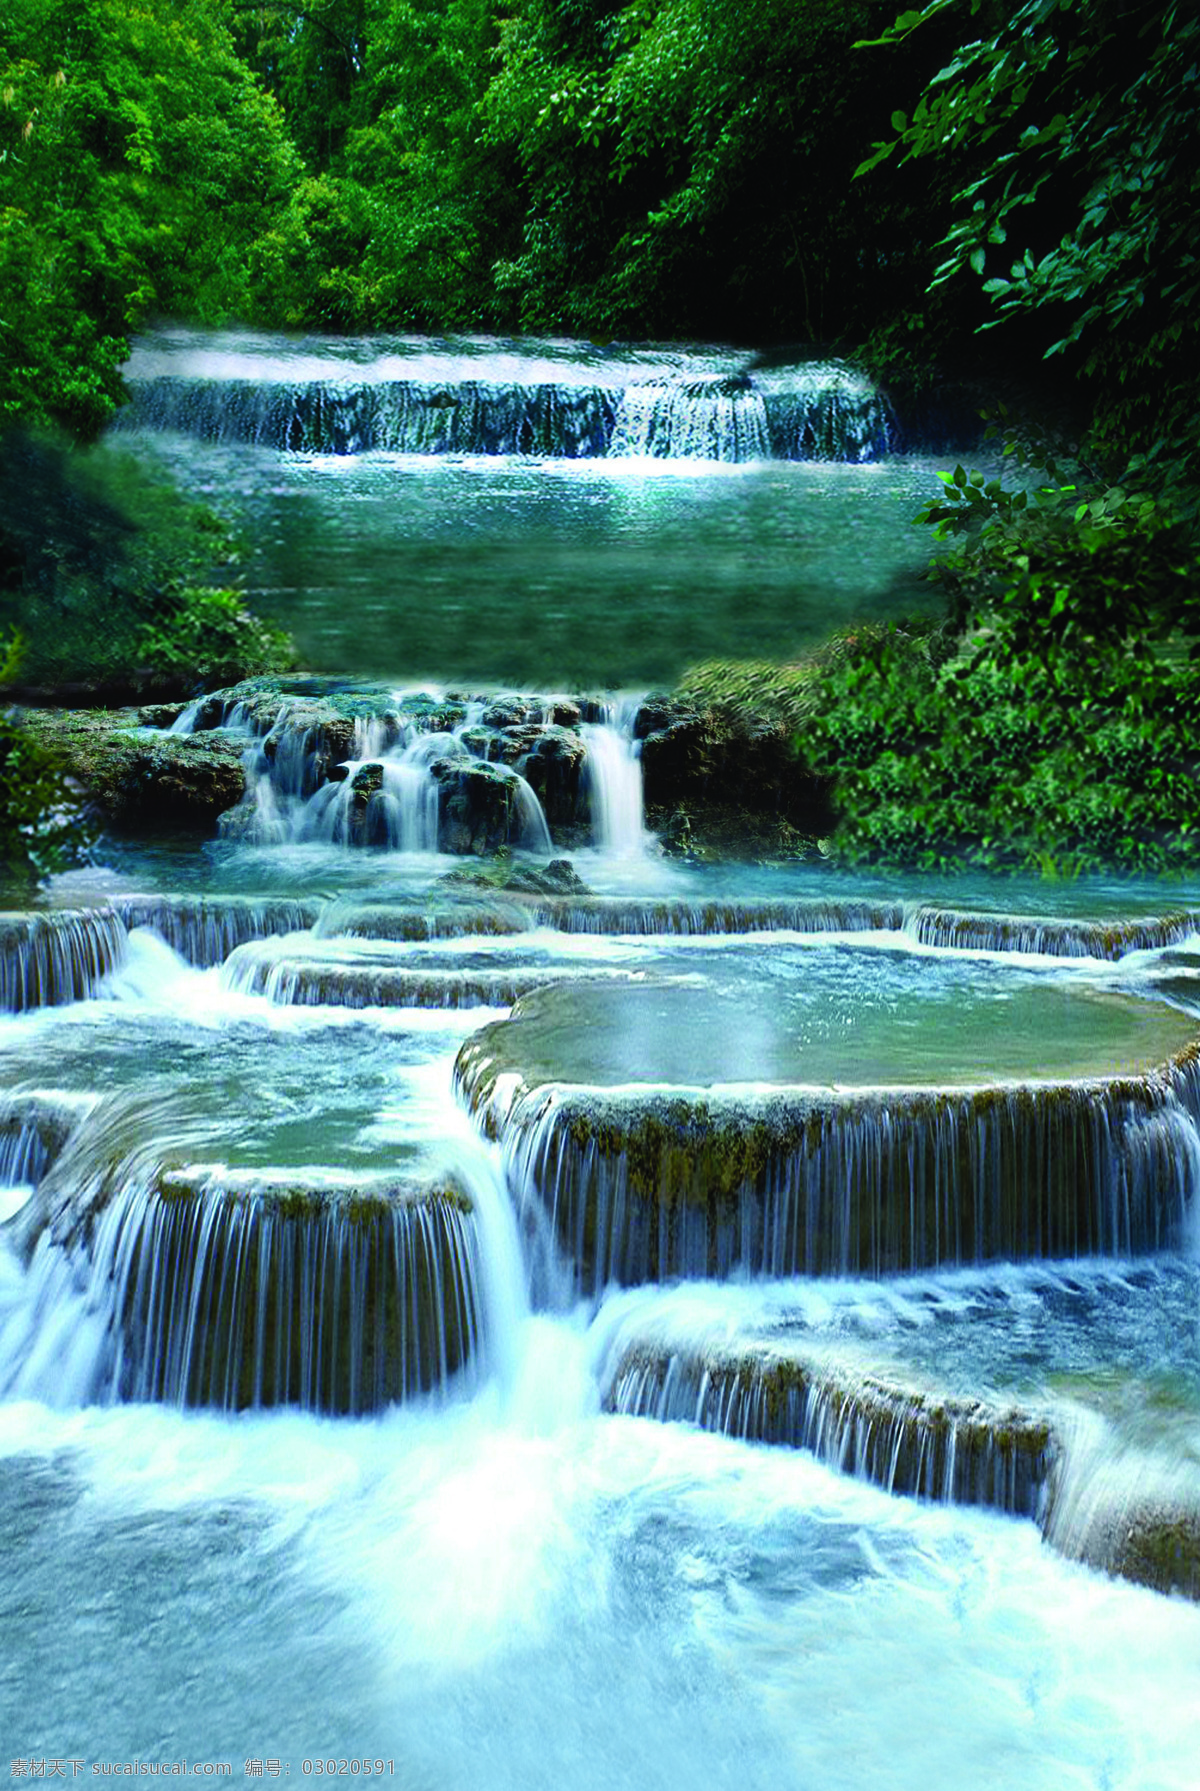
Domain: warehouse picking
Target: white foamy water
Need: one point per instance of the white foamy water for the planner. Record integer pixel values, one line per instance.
(499, 1583)
(600, 1603)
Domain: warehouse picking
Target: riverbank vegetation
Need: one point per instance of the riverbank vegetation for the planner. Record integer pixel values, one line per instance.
(967, 191)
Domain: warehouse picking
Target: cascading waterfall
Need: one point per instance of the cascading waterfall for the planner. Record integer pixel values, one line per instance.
(204, 930)
(955, 1450)
(614, 773)
(492, 401)
(945, 927)
(645, 1188)
(230, 1289)
(395, 786)
(333, 1300)
(34, 1126)
(701, 420)
(49, 959)
(207, 1275)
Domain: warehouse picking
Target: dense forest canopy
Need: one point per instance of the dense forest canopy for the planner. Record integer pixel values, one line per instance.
(668, 168)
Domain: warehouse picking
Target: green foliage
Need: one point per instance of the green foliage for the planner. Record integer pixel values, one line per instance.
(309, 266)
(1057, 760)
(138, 162)
(1074, 130)
(686, 168)
(1068, 561)
(309, 54)
(104, 571)
(209, 637)
(43, 828)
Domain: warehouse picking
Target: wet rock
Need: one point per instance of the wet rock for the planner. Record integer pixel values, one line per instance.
(160, 715)
(151, 785)
(367, 823)
(1160, 1548)
(660, 712)
(554, 767)
(434, 715)
(679, 761)
(558, 878)
(513, 712)
(477, 805)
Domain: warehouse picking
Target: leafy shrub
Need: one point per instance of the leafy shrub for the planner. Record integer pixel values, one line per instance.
(209, 637)
(42, 825)
(1006, 762)
(110, 574)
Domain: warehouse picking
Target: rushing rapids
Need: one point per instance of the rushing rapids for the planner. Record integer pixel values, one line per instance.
(292, 1225)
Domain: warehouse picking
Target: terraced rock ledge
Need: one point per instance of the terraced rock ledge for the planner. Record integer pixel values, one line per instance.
(646, 1182)
(904, 1439)
(52, 958)
(234, 1289)
(34, 1127)
(911, 1439)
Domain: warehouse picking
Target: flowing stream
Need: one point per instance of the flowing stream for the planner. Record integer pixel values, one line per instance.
(633, 1327)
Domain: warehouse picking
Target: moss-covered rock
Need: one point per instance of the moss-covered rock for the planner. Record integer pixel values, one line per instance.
(477, 805)
(649, 1183)
(904, 1438)
(252, 1292)
(141, 782)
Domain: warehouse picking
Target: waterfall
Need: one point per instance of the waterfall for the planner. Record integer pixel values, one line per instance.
(614, 773)
(34, 1126)
(334, 1300)
(49, 959)
(1109, 939)
(961, 1451)
(649, 1186)
(719, 419)
(547, 400)
(389, 783)
(230, 1289)
(204, 930)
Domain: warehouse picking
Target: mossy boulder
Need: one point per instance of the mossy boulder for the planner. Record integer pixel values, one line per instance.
(139, 782)
(477, 805)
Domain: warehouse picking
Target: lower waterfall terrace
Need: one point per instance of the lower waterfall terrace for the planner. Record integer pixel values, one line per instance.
(276, 1308)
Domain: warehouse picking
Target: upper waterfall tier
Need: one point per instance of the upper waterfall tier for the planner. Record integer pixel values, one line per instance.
(556, 400)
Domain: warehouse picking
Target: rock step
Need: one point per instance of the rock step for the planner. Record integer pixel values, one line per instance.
(34, 1126)
(52, 958)
(649, 1185)
(238, 1290)
(297, 981)
(904, 1439)
(912, 1440)
(205, 929)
